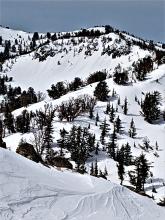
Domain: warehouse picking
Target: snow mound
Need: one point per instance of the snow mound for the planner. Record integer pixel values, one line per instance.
(32, 192)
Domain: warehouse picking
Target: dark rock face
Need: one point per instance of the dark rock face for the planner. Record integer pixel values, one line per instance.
(60, 162)
(27, 150)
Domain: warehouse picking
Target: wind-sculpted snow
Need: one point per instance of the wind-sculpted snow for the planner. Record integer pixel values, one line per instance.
(32, 192)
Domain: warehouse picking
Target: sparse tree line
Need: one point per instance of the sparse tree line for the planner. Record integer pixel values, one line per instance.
(21, 47)
(15, 98)
(117, 51)
(62, 88)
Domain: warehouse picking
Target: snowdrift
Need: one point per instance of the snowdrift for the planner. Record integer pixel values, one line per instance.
(32, 192)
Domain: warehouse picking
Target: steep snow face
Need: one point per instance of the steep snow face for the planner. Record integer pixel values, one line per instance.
(32, 192)
(71, 59)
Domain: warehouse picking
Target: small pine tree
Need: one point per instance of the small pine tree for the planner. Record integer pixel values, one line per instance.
(127, 154)
(156, 146)
(112, 145)
(105, 171)
(132, 129)
(163, 115)
(97, 117)
(118, 101)
(112, 114)
(104, 131)
(92, 169)
(113, 93)
(108, 108)
(146, 144)
(125, 107)
(117, 125)
(121, 171)
(91, 113)
(62, 142)
(96, 169)
(48, 135)
(9, 120)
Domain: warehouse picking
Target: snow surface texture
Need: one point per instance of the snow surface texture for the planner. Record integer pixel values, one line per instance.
(28, 71)
(31, 192)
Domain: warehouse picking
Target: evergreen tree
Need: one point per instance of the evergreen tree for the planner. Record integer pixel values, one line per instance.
(125, 107)
(97, 117)
(121, 171)
(72, 139)
(146, 144)
(80, 142)
(117, 125)
(9, 120)
(35, 36)
(92, 169)
(2, 143)
(120, 77)
(105, 171)
(91, 113)
(96, 169)
(127, 154)
(101, 91)
(6, 52)
(48, 35)
(113, 93)
(48, 134)
(63, 141)
(156, 146)
(57, 90)
(104, 131)
(0, 40)
(140, 174)
(112, 145)
(132, 129)
(149, 106)
(163, 114)
(77, 83)
(23, 122)
(142, 67)
(108, 108)
(90, 141)
(96, 77)
(118, 101)
(112, 113)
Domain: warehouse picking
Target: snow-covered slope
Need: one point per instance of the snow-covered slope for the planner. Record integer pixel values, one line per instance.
(28, 71)
(10, 34)
(32, 192)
